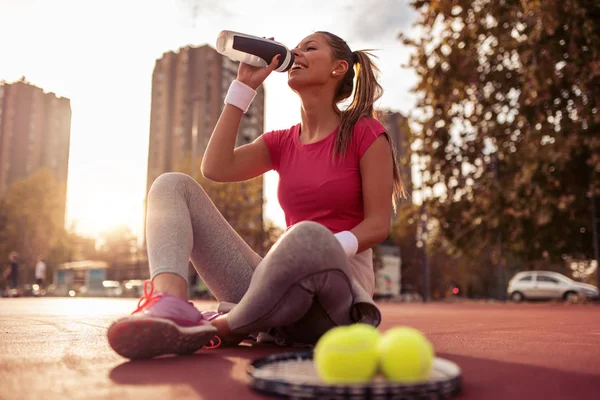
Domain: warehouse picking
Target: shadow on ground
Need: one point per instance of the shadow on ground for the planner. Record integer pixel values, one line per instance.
(491, 380)
(213, 373)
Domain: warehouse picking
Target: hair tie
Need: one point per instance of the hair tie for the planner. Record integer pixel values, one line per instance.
(354, 57)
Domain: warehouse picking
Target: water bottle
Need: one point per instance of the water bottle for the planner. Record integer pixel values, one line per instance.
(253, 50)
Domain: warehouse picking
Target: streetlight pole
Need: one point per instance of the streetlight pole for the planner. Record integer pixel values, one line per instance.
(423, 240)
(499, 263)
(500, 269)
(594, 225)
(423, 237)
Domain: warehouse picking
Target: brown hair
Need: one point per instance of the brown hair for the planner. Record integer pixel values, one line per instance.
(367, 92)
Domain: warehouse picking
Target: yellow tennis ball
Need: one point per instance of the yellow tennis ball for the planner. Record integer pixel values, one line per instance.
(406, 355)
(348, 354)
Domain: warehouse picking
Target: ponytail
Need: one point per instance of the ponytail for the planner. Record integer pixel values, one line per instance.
(367, 92)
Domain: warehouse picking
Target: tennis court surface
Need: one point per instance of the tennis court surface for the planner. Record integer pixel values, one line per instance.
(55, 348)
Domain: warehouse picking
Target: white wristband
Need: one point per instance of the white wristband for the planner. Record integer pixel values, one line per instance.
(240, 95)
(348, 241)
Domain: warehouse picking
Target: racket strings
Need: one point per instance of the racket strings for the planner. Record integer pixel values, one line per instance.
(294, 375)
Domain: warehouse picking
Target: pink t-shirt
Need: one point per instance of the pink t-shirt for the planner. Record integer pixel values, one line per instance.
(311, 186)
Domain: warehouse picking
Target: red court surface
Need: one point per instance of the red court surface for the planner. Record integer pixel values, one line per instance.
(56, 349)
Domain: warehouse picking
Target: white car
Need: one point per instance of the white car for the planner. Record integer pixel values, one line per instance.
(534, 285)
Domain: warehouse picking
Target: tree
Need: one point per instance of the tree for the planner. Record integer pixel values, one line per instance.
(31, 218)
(508, 111)
(118, 246)
(445, 268)
(404, 233)
(272, 233)
(69, 246)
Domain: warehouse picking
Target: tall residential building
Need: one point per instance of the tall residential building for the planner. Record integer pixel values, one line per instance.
(35, 132)
(388, 254)
(188, 90)
(397, 128)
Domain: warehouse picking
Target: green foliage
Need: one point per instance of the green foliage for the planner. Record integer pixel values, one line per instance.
(271, 233)
(404, 233)
(117, 246)
(32, 223)
(31, 217)
(510, 125)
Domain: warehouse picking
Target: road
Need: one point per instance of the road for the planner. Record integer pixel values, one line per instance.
(55, 348)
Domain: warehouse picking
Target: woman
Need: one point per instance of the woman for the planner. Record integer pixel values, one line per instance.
(338, 178)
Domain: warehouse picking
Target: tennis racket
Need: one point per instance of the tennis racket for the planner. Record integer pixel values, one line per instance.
(293, 375)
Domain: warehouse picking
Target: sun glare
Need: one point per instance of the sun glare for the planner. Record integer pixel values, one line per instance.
(103, 213)
(108, 80)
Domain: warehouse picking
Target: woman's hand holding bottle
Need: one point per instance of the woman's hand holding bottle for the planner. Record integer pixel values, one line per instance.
(255, 76)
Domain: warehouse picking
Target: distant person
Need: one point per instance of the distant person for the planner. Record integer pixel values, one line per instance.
(338, 177)
(40, 272)
(5, 285)
(13, 270)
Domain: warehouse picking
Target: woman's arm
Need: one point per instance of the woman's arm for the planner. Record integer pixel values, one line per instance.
(222, 162)
(376, 170)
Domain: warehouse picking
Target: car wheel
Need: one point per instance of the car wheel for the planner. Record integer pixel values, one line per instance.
(517, 297)
(571, 296)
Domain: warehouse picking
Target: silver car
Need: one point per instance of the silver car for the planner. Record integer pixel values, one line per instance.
(548, 285)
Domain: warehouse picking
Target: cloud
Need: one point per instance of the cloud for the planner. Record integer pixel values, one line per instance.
(379, 20)
(198, 11)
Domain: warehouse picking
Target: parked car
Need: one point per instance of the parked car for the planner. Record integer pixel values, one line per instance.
(547, 285)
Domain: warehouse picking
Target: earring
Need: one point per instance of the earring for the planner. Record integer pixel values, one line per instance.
(333, 73)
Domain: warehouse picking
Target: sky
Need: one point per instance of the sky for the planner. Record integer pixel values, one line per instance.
(101, 56)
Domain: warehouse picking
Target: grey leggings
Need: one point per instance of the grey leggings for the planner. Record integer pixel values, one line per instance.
(302, 287)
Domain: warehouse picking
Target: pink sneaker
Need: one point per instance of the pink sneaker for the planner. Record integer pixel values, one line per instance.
(161, 324)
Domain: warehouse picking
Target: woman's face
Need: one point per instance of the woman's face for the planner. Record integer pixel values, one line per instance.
(313, 63)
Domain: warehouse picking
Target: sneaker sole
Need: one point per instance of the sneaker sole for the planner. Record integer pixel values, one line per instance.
(143, 337)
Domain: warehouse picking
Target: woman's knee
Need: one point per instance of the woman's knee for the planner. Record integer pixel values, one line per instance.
(311, 245)
(169, 182)
(312, 230)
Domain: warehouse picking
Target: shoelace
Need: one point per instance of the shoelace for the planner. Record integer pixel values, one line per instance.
(149, 296)
(214, 343)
